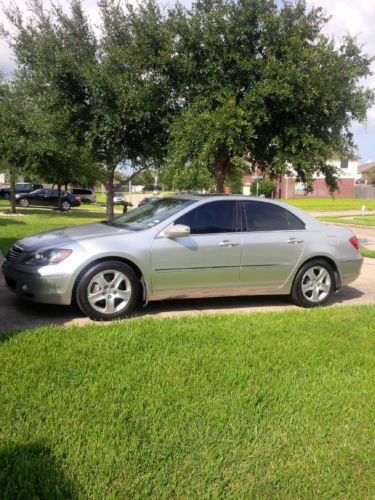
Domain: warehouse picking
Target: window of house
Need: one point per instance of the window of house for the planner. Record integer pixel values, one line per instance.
(213, 217)
(344, 163)
(261, 216)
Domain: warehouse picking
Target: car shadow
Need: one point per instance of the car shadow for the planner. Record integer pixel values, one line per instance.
(19, 314)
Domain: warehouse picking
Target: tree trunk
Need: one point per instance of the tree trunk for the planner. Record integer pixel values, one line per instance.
(12, 198)
(110, 192)
(220, 169)
(59, 201)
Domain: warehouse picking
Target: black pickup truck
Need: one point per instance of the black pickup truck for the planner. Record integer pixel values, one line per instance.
(21, 187)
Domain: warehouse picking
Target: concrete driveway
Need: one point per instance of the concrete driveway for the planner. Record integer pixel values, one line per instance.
(18, 314)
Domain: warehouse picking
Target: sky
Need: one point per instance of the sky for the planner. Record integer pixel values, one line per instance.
(347, 17)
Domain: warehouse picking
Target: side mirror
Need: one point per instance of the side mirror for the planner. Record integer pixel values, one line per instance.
(177, 231)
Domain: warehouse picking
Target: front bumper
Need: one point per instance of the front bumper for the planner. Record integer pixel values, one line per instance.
(33, 286)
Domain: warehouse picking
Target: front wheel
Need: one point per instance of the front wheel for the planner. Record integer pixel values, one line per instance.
(108, 291)
(314, 284)
(24, 202)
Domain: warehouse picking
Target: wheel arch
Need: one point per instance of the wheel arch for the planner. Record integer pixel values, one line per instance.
(130, 263)
(331, 262)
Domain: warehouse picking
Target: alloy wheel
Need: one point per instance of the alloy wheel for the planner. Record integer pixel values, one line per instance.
(109, 291)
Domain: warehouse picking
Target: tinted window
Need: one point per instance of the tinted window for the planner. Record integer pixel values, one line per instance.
(268, 217)
(213, 217)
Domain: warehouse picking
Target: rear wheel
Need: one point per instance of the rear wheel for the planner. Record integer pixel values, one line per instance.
(108, 291)
(314, 284)
(24, 202)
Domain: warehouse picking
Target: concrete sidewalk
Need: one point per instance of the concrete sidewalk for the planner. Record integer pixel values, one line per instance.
(19, 314)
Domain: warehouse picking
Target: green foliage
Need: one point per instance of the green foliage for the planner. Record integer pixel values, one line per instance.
(266, 187)
(95, 99)
(192, 177)
(206, 91)
(15, 133)
(263, 83)
(275, 405)
(145, 178)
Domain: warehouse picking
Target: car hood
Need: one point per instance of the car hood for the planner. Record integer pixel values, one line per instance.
(67, 235)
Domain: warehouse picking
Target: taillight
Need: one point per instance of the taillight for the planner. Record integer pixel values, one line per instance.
(354, 241)
(78, 198)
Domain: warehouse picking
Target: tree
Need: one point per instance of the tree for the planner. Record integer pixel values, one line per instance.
(258, 85)
(51, 48)
(130, 93)
(265, 187)
(14, 134)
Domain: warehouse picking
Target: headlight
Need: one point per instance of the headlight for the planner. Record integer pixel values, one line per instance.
(48, 257)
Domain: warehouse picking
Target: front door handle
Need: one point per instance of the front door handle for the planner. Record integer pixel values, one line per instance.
(293, 241)
(228, 244)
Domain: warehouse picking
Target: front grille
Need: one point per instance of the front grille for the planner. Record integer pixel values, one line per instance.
(14, 253)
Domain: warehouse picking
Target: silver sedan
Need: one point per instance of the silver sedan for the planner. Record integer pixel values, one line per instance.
(182, 247)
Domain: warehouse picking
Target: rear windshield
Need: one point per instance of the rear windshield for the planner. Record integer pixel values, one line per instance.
(151, 214)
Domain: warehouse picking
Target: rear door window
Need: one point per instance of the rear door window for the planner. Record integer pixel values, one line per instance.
(263, 216)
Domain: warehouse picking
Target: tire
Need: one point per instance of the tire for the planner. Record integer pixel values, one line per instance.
(313, 284)
(24, 202)
(65, 206)
(109, 290)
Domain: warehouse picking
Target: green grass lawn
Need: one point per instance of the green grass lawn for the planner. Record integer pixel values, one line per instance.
(359, 220)
(34, 220)
(277, 405)
(331, 203)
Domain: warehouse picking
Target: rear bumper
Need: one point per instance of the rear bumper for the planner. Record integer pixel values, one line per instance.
(350, 270)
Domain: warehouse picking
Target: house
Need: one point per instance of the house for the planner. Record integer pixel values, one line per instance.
(288, 187)
(367, 173)
(5, 178)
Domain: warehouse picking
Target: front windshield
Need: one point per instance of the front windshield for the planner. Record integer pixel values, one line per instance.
(151, 214)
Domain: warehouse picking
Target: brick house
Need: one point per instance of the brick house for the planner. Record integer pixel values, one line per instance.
(288, 187)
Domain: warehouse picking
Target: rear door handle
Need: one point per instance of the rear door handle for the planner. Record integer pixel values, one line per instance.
(293, 241)
(228, 243)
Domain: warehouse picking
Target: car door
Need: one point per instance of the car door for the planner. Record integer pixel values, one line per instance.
(37, 197)
(52, 197)
(273, 240)
(206, 261)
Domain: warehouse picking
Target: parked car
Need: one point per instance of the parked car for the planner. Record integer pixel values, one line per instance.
(118, 198)
(185, 246)
(86, 195)
(47, 197)
(20, 187)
